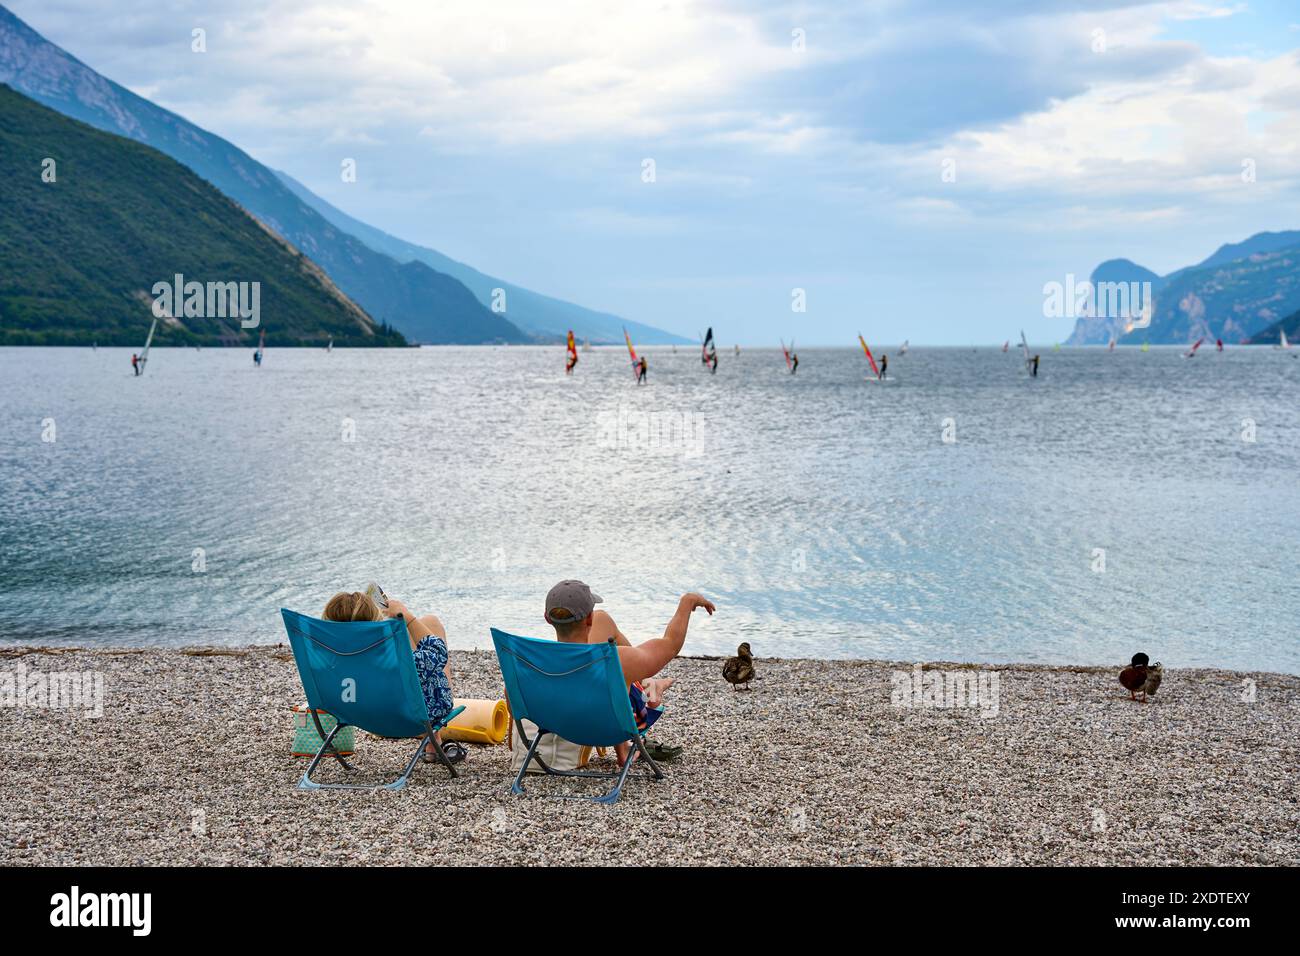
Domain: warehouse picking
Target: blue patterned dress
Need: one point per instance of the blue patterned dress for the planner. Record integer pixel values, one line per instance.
(430, 659)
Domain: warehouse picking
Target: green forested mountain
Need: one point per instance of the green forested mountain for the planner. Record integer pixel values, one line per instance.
(428, 306)
(89, 222)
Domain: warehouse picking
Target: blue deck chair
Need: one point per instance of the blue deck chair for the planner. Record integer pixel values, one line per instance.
(575, 691)
(363, 674)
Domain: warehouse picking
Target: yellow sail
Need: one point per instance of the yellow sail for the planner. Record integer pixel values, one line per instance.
(636, 372)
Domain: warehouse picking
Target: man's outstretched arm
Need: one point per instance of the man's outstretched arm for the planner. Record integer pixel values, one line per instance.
(646, 660)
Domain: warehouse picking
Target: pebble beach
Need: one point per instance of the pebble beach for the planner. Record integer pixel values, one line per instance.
(816, 764)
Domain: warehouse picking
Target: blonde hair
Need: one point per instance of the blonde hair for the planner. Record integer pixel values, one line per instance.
(352, 607)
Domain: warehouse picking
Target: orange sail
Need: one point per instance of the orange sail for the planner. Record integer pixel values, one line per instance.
(636, 371)
(870, 358)
(573, 348)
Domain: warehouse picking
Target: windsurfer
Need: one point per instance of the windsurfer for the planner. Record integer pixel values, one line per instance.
(572, 349)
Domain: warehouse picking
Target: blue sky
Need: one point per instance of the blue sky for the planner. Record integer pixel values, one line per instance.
(796, 145)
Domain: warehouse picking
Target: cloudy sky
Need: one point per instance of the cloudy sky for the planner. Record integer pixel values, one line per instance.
(794, 145)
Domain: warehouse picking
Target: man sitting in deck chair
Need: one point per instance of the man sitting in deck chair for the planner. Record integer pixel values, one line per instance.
(571, 610)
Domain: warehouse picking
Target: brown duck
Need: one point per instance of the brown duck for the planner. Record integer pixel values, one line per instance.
(739, 669)
(1155, 674)
(1134, 677)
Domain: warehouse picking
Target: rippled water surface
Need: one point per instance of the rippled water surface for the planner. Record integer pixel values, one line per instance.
(825, 514)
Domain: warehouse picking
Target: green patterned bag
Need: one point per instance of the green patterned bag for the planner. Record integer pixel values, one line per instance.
(306, 741)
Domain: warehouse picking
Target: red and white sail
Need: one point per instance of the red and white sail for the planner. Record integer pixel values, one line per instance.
(870, 358)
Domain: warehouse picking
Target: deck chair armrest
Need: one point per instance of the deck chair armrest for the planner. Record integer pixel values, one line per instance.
(455, 712)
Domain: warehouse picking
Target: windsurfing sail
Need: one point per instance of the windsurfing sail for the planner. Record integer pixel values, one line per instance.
(1192, 351)
(1024, 348)
(1006, 345)
(708, 350)
(261, 346)
(902, 349)
(1218, 345)
(636, 369)
(786, 352)
(1282, 342)
(870, 357)
(1111, 347)
(330, 347)
(573, 353)
(144, 354)
(1146, 346)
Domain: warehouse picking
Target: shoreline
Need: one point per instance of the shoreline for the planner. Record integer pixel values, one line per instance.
(816, 765)
(16, 650)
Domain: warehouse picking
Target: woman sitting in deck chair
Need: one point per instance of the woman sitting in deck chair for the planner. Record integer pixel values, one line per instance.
(428, 645)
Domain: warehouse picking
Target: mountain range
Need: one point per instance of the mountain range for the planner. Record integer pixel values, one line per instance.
(93, 222)
(542, 315)
(422, 293)
(1243, 292)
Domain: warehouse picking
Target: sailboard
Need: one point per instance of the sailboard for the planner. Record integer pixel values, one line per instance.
(572, 359)
(1282, 342)
(1024, 348)
(1191, 353)
(870, 357)
(144, 354)
(708, 351)
(786, 352)
(636, 363)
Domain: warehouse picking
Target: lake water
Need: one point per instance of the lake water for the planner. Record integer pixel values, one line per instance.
(825, 514)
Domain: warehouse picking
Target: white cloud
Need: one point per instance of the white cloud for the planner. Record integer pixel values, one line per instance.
(1186, 133)
(509, 72)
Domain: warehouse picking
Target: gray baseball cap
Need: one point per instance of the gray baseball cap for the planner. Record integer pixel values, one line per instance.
(569, 602)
